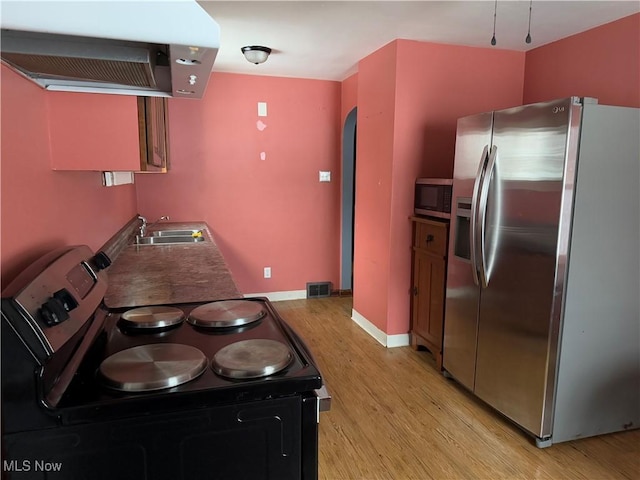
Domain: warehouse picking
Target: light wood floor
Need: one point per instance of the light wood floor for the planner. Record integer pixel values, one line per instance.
(395, 417)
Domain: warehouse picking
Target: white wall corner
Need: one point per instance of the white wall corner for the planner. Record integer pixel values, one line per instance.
(389, 341)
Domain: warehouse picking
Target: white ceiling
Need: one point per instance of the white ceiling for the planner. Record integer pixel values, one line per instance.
(325, 40)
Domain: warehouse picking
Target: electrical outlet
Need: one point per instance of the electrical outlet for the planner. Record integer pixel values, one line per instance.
(267, 272)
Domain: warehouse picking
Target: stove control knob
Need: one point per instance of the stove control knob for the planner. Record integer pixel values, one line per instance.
(53, 312)
(66, 299)
(101, 261)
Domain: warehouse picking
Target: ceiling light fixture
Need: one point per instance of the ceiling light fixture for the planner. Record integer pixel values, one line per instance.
(528, 39)
(495, 11)
(256, 54)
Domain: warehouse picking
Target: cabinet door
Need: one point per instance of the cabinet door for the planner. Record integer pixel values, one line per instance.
(154, 135)
(428, 306)
(432, 237)
(90, 131)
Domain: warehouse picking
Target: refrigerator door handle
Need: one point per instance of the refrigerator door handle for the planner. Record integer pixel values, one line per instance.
(473, 235)
(482, 217)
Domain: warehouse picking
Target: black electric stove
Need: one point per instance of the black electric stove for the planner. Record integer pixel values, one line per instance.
(222, 389)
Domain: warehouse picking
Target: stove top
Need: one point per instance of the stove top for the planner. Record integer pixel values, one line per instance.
(261, 359)
(157, 392)
(92, 362)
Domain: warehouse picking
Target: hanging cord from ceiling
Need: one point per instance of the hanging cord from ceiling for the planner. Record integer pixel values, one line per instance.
(495, 14)
(528, 39)
(495, 11)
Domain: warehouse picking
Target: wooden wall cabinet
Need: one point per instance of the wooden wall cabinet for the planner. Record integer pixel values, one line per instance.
(153, 129)
(429, 252)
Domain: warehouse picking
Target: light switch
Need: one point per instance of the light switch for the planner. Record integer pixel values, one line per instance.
(262, 109)
(325, 176)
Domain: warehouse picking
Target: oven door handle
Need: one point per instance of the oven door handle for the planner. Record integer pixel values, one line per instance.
(324, 399)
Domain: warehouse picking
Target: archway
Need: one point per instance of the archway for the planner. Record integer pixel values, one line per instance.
(348, 199)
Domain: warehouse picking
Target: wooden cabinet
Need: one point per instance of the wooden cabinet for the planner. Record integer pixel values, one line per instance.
(107, 132)
(153, 128)
(429, 251)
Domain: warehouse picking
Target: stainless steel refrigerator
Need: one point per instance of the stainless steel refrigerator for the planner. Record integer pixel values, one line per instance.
(542, 313)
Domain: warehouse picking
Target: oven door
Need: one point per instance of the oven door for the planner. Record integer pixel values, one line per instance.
(273, 439)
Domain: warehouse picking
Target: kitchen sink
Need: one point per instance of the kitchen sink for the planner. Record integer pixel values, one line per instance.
(167, 240)
(176, 233)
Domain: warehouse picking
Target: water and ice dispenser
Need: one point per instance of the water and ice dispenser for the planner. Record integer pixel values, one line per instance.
(462, 246)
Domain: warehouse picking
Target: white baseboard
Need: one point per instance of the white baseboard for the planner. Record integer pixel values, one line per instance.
(398, 340)
(389, 341)
(280, 296)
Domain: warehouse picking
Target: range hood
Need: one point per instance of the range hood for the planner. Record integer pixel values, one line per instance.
(161, 49)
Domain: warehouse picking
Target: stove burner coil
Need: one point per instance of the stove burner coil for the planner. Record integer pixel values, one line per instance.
(226, 313)
(151, 317)
(253, 358)
(152, 367)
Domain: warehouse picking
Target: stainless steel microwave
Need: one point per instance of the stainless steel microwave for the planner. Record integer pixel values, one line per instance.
(433, 197)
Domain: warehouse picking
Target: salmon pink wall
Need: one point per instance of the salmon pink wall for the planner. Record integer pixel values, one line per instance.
(264, 212)
(85, 126)
(374, 152)
(603, 62)
(43, 209)
(410, 95)
(349, 98)
(429, 102)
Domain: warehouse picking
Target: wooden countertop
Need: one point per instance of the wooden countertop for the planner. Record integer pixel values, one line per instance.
(165, 274)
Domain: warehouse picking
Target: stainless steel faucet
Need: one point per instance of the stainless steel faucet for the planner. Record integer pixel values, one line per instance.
(142, 229)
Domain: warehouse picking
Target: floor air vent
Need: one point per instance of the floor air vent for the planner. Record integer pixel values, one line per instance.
(318, 289)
